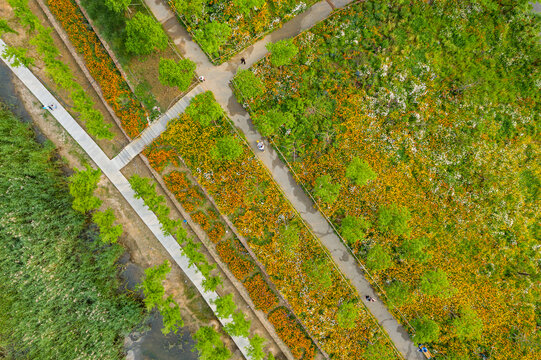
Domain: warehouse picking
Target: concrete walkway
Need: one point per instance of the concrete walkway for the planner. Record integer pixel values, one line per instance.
(217, 80)
(109, 168)
(154, 130)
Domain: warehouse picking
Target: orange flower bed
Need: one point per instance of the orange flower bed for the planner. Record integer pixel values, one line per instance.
(203, 220)
(217, 232)
(261, 293)
(292, 334)
(240, 266)
(160, 156)
(100, 65)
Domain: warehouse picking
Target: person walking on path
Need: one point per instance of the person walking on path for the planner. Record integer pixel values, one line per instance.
(369, 298)
(242, 61)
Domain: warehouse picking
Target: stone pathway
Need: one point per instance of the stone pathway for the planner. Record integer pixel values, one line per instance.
(154, 130)
(217, 80)
(109, 168)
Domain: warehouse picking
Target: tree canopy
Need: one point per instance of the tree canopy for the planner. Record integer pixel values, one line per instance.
(347, 315)
(270, 122)
(82, 185)
(436, 283)
(395, 219)
(144, 35)
(255, 350)
(227, 148)
(282, 52)
(378, 258)
(249, 85)
(468, 326)
(245, 6)
(240, 325)
(225, 306)
(204, 108)
(353, 229)
(360, 172)
(210, 345)
(117, 6)
(326, 190)
(179, 74)
(426, 330)
(213, 35)
(109, 233)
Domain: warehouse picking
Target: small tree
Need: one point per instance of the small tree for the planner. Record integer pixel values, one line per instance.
(255, 350)
(117, 6)
(245, 6)
(179, 74)
(326, 190)
(413, 249)
(212, 283)
(213, 35)
(17, 56)
(5, 28)
(436, 283)
(319, 272)
(152, 284)
(227, 148)
(240, 325)
(353, 228)
(360, 172)
(249, 85)
(270, 122)
(204, 108)
(347, 315)
(398, 293)
(378, 258)
(225, 306)
(282, 52)
(394, 218)
(144, 34)
(189, 7)
(426, 330)
(109, 233)
(468, 326)
(170, 311)
(82, 185)
(209, 344)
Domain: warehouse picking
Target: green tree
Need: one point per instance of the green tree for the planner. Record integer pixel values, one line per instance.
(326, 190)
(210, 345)
(394, 218)
(117, 6)
(82, 185)
(360, 172)
(152, 284)
(170, 311)
(319, 272)
(179, 74)
(227, 148)
(255, 350)
(189, 7)
(399, 293)
(353, 229)
(289, 239)
(469, 325)
(204, 108)
(282, 52)
(213, 35)
(426, 330)
(347, 315)
(245, 6)
(271, 121)
(414, 249)
(436, 283)
(144, 35)
(109, 233)
(5, 28)
(225, 306)
(17, 56)
(249, 85)
(378, 258)
(240, 325)
(212, 283)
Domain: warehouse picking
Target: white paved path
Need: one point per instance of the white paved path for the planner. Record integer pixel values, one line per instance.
(217, 80)
(110, 170)
(154, 130)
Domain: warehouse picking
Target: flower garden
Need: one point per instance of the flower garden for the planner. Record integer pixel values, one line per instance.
(301, 271)
(242, 26)
(115, 90)
(445, 200)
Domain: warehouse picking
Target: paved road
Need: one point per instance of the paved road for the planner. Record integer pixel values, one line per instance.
(109, 168)
(217, 80)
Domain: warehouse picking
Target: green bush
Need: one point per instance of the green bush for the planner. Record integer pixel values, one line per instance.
(212, 35)
(468, 326)
(245, 6)
(282, 52)
(117, 6)
(395, 219)
(360, 172)
(353, 229)
(109, 233)
(435, 283)
(82, 185)
(227, 148)
(249, 85)
(414, 249)
(319, 272)
(347, 315)
(398, 293)
(225, 306)
(426, 330)
(255, 350)
(270, 122)
(240, 326)
(152, 284)
(189, 7)
(170, 311)
(179, 74)
(326, 190)
(289, 239)
(210, 345)
(378, 258)
(144, 35)
(204, 108)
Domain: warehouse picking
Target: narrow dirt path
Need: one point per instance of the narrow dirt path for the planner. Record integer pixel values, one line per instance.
(217, 80)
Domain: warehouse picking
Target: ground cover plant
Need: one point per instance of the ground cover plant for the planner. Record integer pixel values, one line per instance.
(413, 125)
(222, 27)
(142, 48)
(115, 90)
(59, 291)
(244, 191)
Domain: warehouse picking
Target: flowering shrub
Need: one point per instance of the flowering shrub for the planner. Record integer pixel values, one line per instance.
(292, 334)
(159, 156)
(240, 264)
(102, 68)
(260, 293)
(203, 220)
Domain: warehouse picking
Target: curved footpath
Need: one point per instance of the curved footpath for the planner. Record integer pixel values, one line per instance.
(217, 80)
(111, 170)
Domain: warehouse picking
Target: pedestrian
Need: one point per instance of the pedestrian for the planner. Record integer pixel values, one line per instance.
(242, 61)
(51, 107)
(368, 298)
(201, 78)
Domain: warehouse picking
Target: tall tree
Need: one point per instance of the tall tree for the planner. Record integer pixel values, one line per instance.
(282, 52)
(213, 35)
(82, 185)
(144, 35)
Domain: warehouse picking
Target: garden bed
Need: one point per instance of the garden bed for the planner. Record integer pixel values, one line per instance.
(396, 88)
